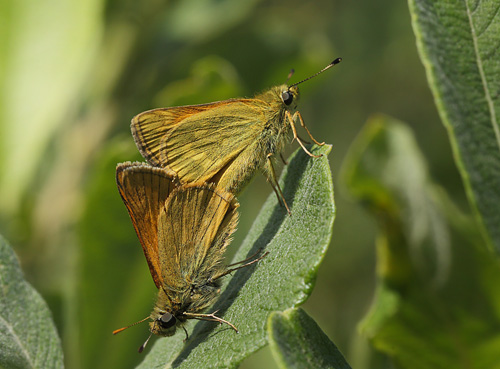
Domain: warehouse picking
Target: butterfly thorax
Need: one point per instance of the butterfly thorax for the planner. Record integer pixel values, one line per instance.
(271, 132)
(277, 128)
(168, 313)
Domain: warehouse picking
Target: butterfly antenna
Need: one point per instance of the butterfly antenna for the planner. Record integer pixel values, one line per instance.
(336, 61)
(143, 346)
(292, 71)
(131, 325)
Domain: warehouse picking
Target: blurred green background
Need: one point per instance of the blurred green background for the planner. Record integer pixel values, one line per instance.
(73, 74)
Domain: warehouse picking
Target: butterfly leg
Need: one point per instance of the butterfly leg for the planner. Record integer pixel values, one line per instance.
(303, 141)
(210, 317)
(291, 120)
(298, 115)
(187, 336)
(283, 159)
(277, 195)
(246, 263)
(248, 258)
(275, 185)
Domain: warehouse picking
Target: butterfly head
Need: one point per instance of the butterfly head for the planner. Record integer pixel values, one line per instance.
(290, 96)
(164, 324)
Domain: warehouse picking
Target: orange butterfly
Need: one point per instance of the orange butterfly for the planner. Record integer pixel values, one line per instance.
(184, 232)
(223, 142)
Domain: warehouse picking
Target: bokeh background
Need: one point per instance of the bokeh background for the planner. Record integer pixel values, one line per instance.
(73, 74)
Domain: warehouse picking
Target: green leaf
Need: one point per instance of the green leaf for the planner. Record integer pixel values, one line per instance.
(298, 342)
(445, 316)
(458, 44)
(28, 337)
(283, 279)
(386, 171)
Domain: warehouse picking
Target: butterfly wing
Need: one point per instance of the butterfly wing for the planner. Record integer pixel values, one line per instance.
(194, 230)
(144, 190)
(197, 142)
(150, 127)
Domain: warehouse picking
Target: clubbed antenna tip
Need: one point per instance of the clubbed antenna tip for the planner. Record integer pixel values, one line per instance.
(336, 61)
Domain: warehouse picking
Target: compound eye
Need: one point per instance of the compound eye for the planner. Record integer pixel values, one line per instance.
(167, 320)
(287, 97)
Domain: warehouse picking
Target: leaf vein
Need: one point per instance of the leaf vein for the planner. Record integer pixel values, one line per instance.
(17, 340)
(479, 61)
(490, 21)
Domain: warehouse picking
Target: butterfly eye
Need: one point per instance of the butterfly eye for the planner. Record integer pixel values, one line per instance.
(167, 320)
(287, 97)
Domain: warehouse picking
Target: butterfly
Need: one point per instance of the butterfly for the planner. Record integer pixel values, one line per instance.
(184, 231)
(224, 142)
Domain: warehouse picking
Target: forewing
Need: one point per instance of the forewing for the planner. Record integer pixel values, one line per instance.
(205, 143)
(151, 127)
(194, 229)
(197, 141)
(144, 190)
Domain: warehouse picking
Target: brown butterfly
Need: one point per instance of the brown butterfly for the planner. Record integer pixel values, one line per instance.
(184, 232)
(224, 142)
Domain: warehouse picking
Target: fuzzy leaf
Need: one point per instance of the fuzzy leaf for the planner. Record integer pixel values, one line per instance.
(282, 280)
(458, 44)
(298, 342)
(28, 337)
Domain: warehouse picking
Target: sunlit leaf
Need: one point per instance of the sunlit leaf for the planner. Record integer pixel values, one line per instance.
(298, 342)
(458, 44)
(282, 280)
